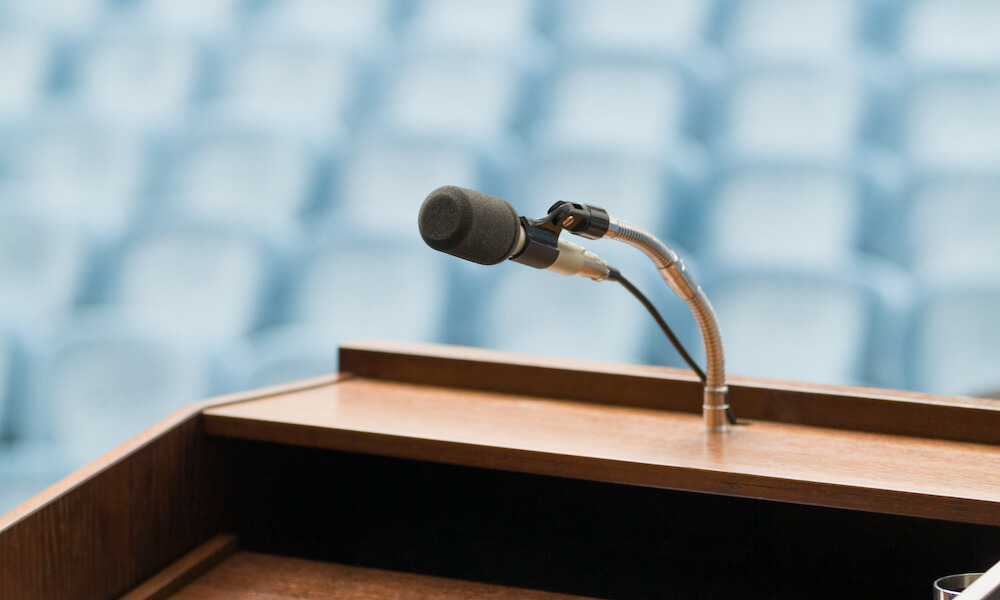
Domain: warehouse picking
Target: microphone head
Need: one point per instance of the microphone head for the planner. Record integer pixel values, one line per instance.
(469, 225)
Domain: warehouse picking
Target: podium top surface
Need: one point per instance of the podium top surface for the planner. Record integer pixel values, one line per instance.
(421, 403)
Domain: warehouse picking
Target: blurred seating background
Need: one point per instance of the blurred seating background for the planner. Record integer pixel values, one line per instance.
(204, 196)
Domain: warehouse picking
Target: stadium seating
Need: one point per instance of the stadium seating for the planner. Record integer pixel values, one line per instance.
(44, 264)
(202, 285)
(386, 176)
(243, 178)
(79, 168)
(106, 373)
(631, 186)
(8, 372)
(403, 287)
(816, 325)
(537, 312)
(291, 87)
(949, 34)
(234, 186)
(645, 27)
(642, 105)
(948, 122)
(953, 341)
(950, 229)
(793, 112)
(26, 60)
(509, 25)
(773, 214)
(774, 30)
(421, 98)
(145, 81)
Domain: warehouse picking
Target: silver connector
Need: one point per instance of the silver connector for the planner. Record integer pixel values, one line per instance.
(574, 259)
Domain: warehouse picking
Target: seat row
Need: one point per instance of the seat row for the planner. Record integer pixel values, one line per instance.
(932, 31)
(328, 92)
(80, 187)
(236, 322)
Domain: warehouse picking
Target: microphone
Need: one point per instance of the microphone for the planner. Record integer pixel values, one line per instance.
(487, 230)
(471, 225)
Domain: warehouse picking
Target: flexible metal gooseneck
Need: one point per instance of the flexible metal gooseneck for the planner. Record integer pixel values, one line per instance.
(675, 273)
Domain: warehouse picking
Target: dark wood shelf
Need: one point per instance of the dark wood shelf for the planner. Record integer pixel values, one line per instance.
(825, 466)
(252, 575)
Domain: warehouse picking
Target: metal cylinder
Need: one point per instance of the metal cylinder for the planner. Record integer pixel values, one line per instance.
(951, 586)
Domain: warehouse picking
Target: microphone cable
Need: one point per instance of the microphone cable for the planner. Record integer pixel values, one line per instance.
(615, 275)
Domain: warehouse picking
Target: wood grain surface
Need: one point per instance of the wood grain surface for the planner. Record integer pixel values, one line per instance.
(251, 576)
(644, 386)
(776, 461)
(191, 566)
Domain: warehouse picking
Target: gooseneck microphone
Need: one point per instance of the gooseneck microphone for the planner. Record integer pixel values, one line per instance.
(487, 230)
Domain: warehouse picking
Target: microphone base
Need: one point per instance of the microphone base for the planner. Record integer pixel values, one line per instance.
(715, 409)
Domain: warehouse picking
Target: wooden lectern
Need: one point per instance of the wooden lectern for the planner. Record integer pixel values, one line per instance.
(442, 472)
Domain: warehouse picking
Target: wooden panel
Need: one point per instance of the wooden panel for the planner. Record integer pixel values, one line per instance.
(190, 567)
(250, 575)
(859, 409)
(585, 538)
(775, 461)
(101, 531)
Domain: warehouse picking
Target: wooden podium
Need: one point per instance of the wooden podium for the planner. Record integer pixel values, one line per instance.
(442, 472)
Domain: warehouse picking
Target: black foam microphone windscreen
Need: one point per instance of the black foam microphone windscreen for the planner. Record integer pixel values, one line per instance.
(469, 225)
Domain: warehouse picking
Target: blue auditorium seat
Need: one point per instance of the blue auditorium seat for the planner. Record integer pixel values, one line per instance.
(472, 94)
(59, 17)
(793, 112)
(949, 34)
(776, 30)
(532, 311)
(309, 89)
(835, 326)
(103, 380)
(243, 178)
(209, 18)
(8, 373)
(636, 187)
(770, 214)
(205, 285)
(953, 340)
(27, 469)
(615, 104)
(650, 27)
(951, 228)
(950, 122)
(384, 178)
(43, 265)
(80, 169)
(355, 287)
(283, 354)
(26, 61)
(139, 79)
(365, 25)
(500, 24)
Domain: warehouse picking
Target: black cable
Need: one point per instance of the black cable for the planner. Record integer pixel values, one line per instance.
(617, 276)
